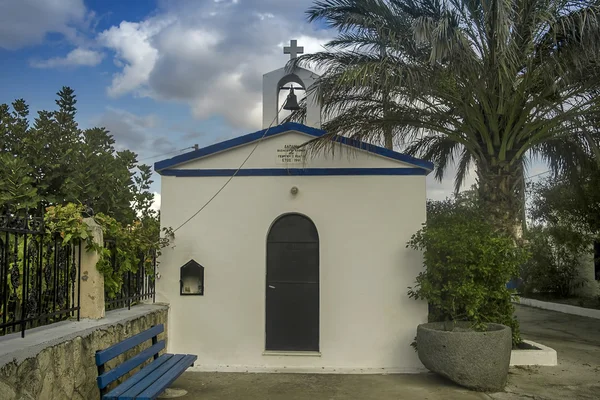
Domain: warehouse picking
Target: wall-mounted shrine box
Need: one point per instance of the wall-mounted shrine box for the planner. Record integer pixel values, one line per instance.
(191, 279)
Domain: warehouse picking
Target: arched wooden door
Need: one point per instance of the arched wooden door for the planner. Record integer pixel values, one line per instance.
(292, 295)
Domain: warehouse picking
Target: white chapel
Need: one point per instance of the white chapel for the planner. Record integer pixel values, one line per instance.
(289, 263)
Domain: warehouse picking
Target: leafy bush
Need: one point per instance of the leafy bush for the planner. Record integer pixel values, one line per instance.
(468, 264)
(554, 263)
(136, 243)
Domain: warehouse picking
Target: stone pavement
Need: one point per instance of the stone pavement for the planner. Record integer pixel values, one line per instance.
(230, 386)
(576, 339)
(577, 342)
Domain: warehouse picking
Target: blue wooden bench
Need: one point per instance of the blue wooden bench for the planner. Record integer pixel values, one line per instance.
(150, 381)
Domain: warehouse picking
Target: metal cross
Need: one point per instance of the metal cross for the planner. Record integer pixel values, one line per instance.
(293, 50)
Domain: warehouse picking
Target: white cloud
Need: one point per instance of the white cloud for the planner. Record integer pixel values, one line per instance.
(27, 22)
(437, 190)
(138, 133)
(209, 55)
(75, 58)
(130, 41)
(157, 201)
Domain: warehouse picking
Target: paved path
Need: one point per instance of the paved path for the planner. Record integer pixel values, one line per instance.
(577, 342)
(227, 386)
(576, 339)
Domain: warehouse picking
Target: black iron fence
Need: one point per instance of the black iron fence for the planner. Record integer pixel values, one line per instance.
(137, 286)
(38, 275)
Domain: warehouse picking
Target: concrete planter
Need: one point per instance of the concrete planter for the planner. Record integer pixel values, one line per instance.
(477, 360)
(533, 353)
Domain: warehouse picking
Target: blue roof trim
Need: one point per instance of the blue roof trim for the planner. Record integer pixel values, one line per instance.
(295, 172)
(289, 126)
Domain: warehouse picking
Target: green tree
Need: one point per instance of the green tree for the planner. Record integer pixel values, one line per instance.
(565, 214)
(143, 198)
(16, 184)
(492, 84)
(13, 126)
(572, 202)
(555, 261)
(55, 162)
(51, 147)
(103, 178)
(69, 170)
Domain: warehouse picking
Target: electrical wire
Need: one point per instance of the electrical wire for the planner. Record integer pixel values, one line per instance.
(541, 173)
(234, 174)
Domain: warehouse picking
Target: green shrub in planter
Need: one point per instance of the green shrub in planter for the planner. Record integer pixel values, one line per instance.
(468, 263)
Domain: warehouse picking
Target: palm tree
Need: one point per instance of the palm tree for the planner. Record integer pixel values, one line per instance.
(489, 84)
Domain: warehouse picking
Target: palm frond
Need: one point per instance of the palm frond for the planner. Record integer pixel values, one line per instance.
(466, 159)
(465, 82)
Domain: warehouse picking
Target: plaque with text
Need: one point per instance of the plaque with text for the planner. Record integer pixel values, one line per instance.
(290, 154)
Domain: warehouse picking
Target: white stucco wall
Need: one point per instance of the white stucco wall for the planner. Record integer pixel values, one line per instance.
(367, 321)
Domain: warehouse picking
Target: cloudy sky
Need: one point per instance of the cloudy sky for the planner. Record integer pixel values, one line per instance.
(161, 75)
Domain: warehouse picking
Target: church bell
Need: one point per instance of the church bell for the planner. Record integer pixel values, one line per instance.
(291, 103)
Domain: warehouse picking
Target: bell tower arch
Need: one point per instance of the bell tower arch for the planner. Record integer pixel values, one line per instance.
(275, 81)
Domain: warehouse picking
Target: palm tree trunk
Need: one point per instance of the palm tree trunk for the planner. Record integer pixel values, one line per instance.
(388, 132)
(500, 192)
(389, 138)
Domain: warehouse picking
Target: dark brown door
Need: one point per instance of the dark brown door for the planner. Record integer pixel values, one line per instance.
(292, 294)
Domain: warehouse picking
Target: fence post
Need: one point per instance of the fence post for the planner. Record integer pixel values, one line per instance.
(92, 281)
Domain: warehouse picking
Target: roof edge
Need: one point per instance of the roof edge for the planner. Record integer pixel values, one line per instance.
(288, 126)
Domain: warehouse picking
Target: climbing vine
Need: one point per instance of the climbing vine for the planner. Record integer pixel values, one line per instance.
(67, 222)
(133, 246)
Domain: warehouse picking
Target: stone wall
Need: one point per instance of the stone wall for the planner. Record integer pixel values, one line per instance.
(65, 368)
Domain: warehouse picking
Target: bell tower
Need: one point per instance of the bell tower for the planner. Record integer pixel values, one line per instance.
(275, 81)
